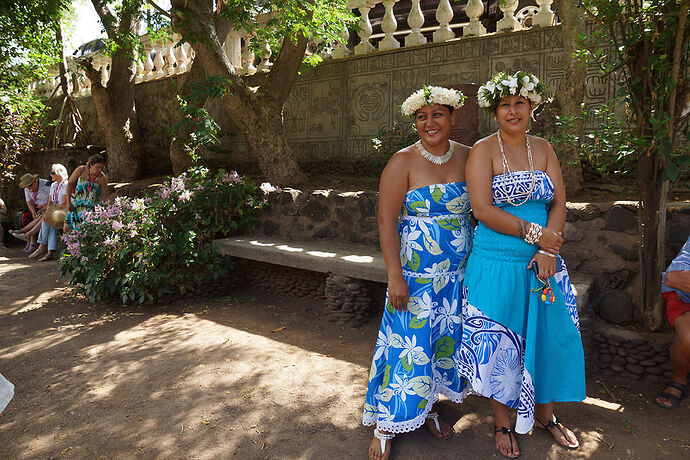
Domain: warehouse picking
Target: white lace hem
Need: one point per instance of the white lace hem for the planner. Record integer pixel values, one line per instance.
(410, 425)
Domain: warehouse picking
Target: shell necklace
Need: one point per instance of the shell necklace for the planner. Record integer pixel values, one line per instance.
(435, 159)
(506, 170)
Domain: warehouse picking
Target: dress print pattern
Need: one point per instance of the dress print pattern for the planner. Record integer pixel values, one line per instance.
(414, 355)
(515, 347)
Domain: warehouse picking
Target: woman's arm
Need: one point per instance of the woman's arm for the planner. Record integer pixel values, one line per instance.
(71, 184)
(392, 189)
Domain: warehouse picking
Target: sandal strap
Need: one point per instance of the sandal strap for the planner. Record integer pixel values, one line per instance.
(383, 437)
(678, 386)
(509, 432)
(434, 416)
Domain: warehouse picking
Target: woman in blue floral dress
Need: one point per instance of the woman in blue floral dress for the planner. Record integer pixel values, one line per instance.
(521, 344)
(87, 187)
(425, 247)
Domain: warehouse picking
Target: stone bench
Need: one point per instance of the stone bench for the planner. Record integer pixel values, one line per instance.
(348, 268)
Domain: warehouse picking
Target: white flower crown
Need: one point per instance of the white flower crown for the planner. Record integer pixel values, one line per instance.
(503, 85)
(430, 95)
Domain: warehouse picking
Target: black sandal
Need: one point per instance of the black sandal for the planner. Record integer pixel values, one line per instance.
(510, 433)
(557, 424)
(674, 399)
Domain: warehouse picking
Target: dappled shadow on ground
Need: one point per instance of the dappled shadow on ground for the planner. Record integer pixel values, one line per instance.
(248, 376)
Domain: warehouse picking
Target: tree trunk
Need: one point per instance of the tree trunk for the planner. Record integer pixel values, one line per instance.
(265, 133)
(571, 92)
(652, 257)
(117, 116)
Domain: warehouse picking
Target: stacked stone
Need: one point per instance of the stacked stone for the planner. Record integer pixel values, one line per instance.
(631, 355)
(281, 280)
(348, 300)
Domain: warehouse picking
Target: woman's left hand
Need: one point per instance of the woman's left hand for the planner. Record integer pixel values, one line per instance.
(546, 264)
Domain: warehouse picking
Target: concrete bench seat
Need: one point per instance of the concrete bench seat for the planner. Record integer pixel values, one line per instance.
(346, 265)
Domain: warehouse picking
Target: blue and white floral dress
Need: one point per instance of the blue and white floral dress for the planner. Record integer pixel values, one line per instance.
(516, 349)
(414, 355)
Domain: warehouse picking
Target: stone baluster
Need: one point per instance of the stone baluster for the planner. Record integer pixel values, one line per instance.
(159, 62)
(508, 23)
(444, 14)
(182, 58)
(247, 56)
(105, 75)
(233, 49)
(415, 20)
(265, 64)
(140, 70)
(171, 67)
(389, 25)
(544, 18)
(365, 29)
(148, 66)
(341, 50)
(474, 10)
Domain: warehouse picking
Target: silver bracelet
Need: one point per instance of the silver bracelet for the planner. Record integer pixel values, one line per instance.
(546, 253)
(533, 234)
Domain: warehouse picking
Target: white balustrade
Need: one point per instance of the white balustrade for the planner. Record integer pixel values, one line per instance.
(233, 49)
(415, 20)
(159, 62)
(182, 58)
(365, 29)
(545, 16)
(389, 25)
(444, 14)
(170, 60)
(140, 70)
(248, 56)
(148, 66)
(341, 50)
(508, 22)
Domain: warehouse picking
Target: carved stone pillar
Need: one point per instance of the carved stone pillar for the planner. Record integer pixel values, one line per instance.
(365, 30)
(474, 10)
(508, 22)
(544, 18)
(389, 26)
(415, 20)
(444, 14)
(341, 50)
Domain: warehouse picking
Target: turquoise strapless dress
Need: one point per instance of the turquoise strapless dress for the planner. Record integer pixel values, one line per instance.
(517, 349)
(414, 358)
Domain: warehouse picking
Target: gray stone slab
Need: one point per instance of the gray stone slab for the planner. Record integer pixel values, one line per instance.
(582, 284)
(351, 260)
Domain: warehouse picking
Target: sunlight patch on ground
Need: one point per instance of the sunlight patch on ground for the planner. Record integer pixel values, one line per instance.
(34, 344)
(604, 404)
(32, 302)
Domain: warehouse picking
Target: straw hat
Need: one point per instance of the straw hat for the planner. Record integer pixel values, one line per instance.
(27, 179)
(55, 216)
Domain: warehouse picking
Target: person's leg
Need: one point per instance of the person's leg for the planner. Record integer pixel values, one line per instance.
(439, 428)
(680, 359)
(51, 243)
(544, 418)
(42, 248)
(504, 437)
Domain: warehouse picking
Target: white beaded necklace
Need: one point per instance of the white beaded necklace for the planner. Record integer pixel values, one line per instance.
(506, 169)
(435, 159)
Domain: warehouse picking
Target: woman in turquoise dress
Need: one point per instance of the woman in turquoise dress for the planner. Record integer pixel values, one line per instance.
(87, 186)
(521, 344)
(425, 236)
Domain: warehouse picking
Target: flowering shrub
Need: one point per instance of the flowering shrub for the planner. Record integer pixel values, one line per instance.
(142, 248)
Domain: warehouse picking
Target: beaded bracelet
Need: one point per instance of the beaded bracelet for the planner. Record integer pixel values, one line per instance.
(534, 233)
(546, 253)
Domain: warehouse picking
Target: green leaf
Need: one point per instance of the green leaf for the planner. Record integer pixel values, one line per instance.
(390, 308)
(421, 385)
(444, 348)
(437, 194)
(419, 206)
(449, 224)
(671, 172)
(416, 323)
(414, 263)
(423, 280)
(406, 364)
(422, 404)
(432, 246)
(386, 376)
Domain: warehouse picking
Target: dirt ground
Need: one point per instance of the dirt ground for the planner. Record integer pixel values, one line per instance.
(251, 376)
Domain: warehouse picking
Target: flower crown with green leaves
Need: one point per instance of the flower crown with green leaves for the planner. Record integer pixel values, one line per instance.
(503, 85)
(430, 95)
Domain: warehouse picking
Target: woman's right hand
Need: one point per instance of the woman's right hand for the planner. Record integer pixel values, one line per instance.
(550, 241)
(398, 293)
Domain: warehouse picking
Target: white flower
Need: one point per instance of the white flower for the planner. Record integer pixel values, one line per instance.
(490, 85)
(383, 343)
(408, 243)
(266, 187)
(436, 95)
(446, 317)
(410, 349)
(524, 92)
(402, 386)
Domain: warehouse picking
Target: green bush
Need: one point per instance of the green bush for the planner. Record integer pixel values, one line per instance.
(138, 249)
(389, 141)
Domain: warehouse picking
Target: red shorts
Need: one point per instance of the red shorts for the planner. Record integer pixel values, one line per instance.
(674, 306)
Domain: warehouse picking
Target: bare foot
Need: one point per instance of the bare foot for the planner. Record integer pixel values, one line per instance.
(506, 442)
(375, 452)
(48, 256)
(38, 252)
(560, 433)
(443, 431)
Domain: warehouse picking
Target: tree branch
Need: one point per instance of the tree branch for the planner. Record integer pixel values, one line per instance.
(283, 74)
(675, 70)
(158, 8)
(107, 18)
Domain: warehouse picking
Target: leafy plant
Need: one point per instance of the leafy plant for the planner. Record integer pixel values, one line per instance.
(138, 249)
(195, 128)
(389, 141)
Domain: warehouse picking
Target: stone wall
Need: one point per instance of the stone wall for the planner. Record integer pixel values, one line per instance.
(335, 109)
(601, 238)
